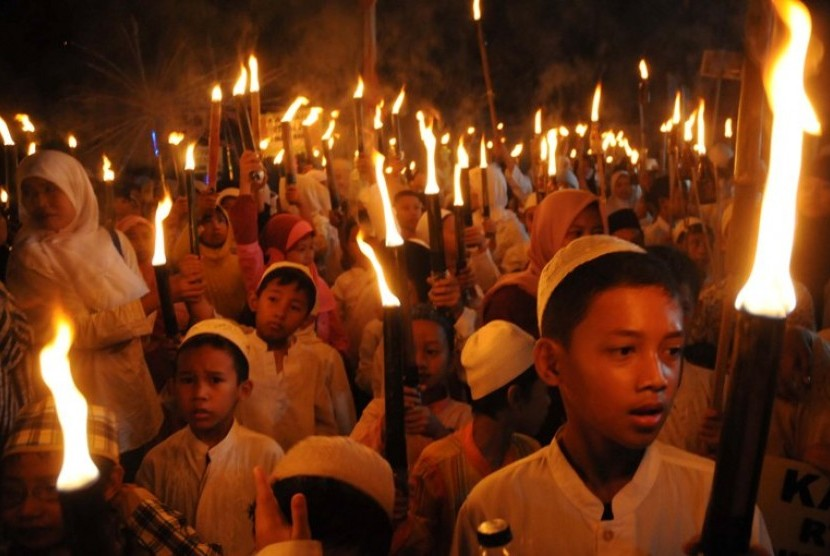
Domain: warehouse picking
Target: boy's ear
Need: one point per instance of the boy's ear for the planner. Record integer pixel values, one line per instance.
(252, 301)
(546, 355)
(515, 397)
(245, 389)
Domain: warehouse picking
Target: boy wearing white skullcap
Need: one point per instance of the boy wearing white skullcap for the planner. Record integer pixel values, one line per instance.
(611, 340)
(204, 470)
(509, 403)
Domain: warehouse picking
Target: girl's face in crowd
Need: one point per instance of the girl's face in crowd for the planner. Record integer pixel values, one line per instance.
(432, 353)
(623, 189)
(141, 238)
(29, 507)
(213, 229)
(587, 223)
(48, 206)
(302, 252)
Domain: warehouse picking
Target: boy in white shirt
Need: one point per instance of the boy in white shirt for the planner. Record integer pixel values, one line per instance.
(612, 338)
(204, 470)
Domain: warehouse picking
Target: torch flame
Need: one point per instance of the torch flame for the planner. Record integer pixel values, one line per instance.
(471, 130)
(189, 159)
(292, 110)
(517, 150)
(634, 156)
(727, 128)
(643, 69)
(701, 129)
(445, 139)
(387, 298)
(263, 143)
(543, 149)
(769, 290)
(393, 236)
(358, 92)
(553, 142)
(32, 149)
(476, 10)
(25, 123)
(461, 154)
(175, 138)
(482, 154)
(563, 131)
(581, 129)
(378, 123)
(162, 211)
(675, 119)
(107, 173)
(458, 195)
(595, 103)
(279, 157)
(428, 137)
(216, 93)
(313, 115)
(4, 131)
(4, 196)
(688, 126)
(239, 86)
(537, 122)
(396, 108)
(253, 65)
(72, 141)
(78, 469)
(329, 130)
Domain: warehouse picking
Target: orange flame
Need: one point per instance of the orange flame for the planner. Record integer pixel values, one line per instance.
(387, 298)
(25, 123)
(313, 116)
(175, 138)
(396, 108)
(107, 173)
(675, 119)
(72, 142)
(517, 150)
(393, 236)
(553, 143)
(461, 154)
(378, 122)
(358, 92)
(428, 137)
(162, 212)
(4, 131)
(476, 10)
(292, 110)
(241, 82)
(253, 65)
(727, 128)
(700, 147)
(595, 103)
(216, 93)
(537, 122)
(643, 70)
(189, 159)
(329, 130)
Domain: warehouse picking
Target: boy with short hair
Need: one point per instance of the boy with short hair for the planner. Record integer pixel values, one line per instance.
(291, 399)
(204, 470)
(409, 206)
(612, 339)
(509, 403)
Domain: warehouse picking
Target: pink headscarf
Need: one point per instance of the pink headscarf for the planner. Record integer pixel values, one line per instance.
(553, 217)
(279, 235)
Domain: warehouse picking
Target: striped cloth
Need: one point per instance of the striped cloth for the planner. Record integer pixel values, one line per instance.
(15, 345)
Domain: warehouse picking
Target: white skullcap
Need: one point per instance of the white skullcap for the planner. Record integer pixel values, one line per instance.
(572, 256)
(225, 328)
(343, 459)
(683, 226)
(228, 192)
(494, 355)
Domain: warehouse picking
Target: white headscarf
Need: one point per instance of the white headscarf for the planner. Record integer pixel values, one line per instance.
(497, 186)
(81, 256)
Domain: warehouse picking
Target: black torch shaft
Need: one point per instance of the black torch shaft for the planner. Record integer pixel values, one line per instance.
(171, 325)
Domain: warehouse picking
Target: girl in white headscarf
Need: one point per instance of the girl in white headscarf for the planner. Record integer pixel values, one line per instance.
(63, 260)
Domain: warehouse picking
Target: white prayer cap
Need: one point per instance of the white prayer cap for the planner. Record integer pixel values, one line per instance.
(225, 328)
(494, 355)
(683, 226)
(228, 192)
(572, 256)
(343, 459)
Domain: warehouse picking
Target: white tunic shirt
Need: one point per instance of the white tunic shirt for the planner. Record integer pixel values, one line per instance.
(551, 511)
(214, 488)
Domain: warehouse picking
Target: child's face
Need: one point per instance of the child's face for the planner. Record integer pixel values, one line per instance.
(588, 222)
(141, 238)
(302, 252)
(619, 375)
(408, 209)
(432, 353)
(213, 229)
(29, 505)
(48, 206)
(207, 390)
(280, 311)
(695, 247)
(622, 188)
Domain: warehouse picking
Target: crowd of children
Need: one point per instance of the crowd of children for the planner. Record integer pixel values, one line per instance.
(561, 377)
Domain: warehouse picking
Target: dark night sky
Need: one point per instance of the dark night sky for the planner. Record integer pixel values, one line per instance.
(109, 69)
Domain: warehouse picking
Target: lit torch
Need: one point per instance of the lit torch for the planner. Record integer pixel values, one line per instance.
(72, 142)
(644, 99)
(596, 143)
(328, 143)
(256, 110)
(463, 161)
(243, 119)
(433, 198)
(485, 67)
(377, 125)
(25, 123)
(485, 187)
(190, 188)
(108, 176)
(288, 145)
(553, 143)
(214, 140)
(311, 119)
(765, 299)
(396, 122)
(358, 114)
(162, 271)
(81, 499)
